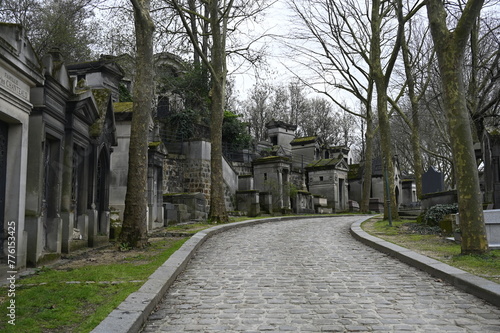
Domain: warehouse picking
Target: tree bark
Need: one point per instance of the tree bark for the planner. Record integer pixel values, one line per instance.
(415, 134)
(367, 175)
(134, 228)
(381, 81)
(217, 99)
(216, 65)
(450, 47)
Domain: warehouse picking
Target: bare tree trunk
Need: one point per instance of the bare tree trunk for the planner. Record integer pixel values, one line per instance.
(387, 157)
(381, 81)
(367, 175)
(216, 14)
(415, 126)
(218, 97)
(134, 229)
(450, 48)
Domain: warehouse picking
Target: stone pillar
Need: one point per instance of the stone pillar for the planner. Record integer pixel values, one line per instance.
(54, 234)
(151, 195)
(35, 233)
(83, 226)
(280, 187)
(93, 220)
(286, 188)
(15, 201)
(68, 221)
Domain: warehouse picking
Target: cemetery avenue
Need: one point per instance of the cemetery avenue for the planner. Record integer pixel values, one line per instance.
(310, 275)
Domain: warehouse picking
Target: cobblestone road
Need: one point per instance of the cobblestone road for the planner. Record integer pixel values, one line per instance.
(311, 276)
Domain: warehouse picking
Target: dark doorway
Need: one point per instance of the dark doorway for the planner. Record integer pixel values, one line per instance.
(102, 193)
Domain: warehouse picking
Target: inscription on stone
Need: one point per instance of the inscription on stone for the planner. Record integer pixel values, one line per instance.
(13, 84)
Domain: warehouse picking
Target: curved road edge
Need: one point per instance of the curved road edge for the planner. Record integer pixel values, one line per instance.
(132, 313)
(472, 284)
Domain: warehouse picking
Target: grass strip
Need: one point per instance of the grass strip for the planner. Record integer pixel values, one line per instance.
(77, 300)
(436, 247)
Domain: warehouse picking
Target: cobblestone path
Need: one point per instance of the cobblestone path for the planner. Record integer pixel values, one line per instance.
(311, 276)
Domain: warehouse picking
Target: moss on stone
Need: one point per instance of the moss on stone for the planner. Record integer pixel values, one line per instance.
(154, 144)
(305, 139)
(123, 107)
(272, 158)
(101, 97)
(353, 172)
(325, 162)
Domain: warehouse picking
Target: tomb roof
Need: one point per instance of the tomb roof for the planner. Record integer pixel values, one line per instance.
(304, 140)
(105, 64)
(328, 163)
(271, 159)
(281, 124)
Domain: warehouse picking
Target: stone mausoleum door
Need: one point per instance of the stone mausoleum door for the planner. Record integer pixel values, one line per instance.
(102, 195)
(50, 194)
(4, 132)
(341, 194)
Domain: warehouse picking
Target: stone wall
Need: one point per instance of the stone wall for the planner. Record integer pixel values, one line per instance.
(182, 175)
(439, 198)
(197, 177)
(173, 173)
(190, 173)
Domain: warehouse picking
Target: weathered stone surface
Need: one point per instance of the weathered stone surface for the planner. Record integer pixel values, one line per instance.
(310, 275)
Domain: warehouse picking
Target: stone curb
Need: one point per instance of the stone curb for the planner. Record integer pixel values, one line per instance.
(132, 313)
(472, 284)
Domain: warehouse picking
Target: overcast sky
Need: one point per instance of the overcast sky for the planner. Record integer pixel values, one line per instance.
(275, 23)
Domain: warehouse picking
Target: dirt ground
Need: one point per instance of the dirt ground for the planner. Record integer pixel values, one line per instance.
(108, 254)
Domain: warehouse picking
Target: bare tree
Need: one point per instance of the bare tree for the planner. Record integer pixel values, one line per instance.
(257, 110)
(297, 100)
(281, 104)
(418, 59)
(450, 46)
(355, 57)
(22, 12)
(317, 119)
(217, 19)
(134, 228)
(482, 74)
(63, 24)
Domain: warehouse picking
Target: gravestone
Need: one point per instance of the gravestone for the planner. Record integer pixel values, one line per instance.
(432, 181)
(492, 224)
(376, 205)
(353, 206)
(187, 206)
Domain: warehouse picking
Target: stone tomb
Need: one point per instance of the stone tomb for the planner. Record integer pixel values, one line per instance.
(183, 207)
(432, 181)
(328, 178)
(248, 202)
(303, 203)
(492, 224)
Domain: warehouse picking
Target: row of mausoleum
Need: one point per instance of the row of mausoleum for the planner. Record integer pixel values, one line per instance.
(56, 141)
(64, 139)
